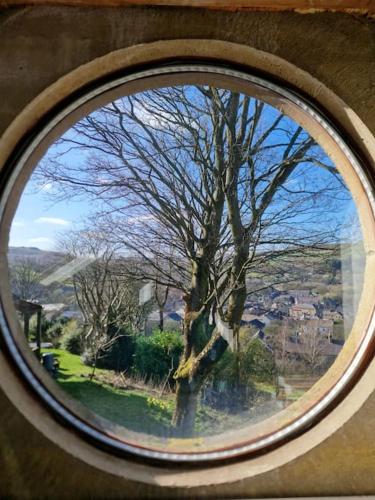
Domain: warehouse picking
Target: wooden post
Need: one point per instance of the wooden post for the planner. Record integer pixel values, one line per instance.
(38, 333)
(26, 325)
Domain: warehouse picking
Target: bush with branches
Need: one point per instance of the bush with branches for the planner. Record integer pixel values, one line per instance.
(72, 337)
(118, 356)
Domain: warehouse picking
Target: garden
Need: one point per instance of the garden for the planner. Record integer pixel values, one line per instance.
(132, 383)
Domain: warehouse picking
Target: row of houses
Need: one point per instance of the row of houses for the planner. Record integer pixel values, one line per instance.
(295, 310)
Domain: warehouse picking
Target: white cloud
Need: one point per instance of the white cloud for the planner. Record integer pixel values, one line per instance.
(18, 223)
(52, 220)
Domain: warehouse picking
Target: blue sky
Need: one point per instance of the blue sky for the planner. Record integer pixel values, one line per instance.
(41, 216)
(38, 222)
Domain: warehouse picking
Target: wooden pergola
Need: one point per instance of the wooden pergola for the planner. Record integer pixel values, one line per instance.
(28, 309)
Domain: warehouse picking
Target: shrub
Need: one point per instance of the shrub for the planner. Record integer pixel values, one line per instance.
(226, 369)
(258, 362)
(118, 356)
(45, 325)
(54, 332)
(88, 357)
(157, 356)
(72, 337)
(231, 384)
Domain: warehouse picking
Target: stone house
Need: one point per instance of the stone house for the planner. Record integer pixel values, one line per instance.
(302, 311)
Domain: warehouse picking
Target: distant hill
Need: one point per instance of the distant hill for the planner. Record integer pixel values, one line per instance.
(41, 258)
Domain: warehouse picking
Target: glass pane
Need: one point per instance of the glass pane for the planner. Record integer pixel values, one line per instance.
(191, 260)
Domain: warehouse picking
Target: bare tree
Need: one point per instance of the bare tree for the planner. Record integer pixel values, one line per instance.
(280, 340)
(207, 189)
(106, 299)
(25, 280)
(313, 347)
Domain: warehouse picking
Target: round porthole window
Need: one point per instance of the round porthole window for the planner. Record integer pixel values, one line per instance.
(187, 263)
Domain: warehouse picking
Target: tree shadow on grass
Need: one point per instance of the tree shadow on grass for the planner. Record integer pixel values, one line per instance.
(63, 376)
(136, 412)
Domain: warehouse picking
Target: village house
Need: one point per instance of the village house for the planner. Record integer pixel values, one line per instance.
(323, 327)
(302, 311)
(311, 340)
(332, 315)
(310, 327)
(326, 349)
(254, 320)
(281, 308)
(275, 315)
(308, 299)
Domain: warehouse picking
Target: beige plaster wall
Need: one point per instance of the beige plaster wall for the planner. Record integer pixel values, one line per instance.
(38, 45)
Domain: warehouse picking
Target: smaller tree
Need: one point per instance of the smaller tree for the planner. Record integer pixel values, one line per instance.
(25, 280)
(72, 337)
(99, 345)
(107, 300)
(280, 334)
(313, 345)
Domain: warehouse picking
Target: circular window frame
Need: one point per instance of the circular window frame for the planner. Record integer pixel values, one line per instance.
(367, 349)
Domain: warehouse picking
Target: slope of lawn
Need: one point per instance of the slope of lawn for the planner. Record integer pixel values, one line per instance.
(137, 410)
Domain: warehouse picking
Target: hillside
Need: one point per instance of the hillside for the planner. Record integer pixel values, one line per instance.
(42, 258)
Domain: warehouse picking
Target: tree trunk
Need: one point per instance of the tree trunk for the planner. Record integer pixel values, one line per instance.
(186, 407)
(193, 370)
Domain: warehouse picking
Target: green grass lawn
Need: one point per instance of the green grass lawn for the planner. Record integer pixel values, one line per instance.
(137, 410)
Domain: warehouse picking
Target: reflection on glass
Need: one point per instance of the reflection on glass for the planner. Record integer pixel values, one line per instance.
(186, 261)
